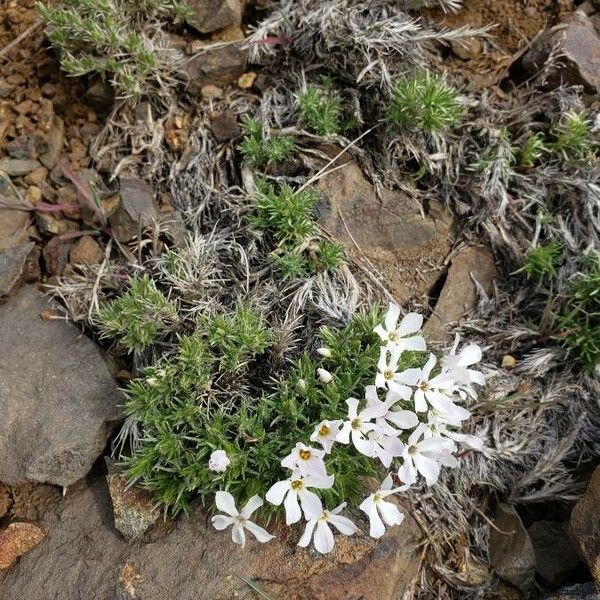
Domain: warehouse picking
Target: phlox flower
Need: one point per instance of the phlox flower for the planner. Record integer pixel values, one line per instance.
(290, 491)
(323, 536)
(380, 511)
(425, 457)
(309, 461)
(400, 336)
(402, 419)
(433, 391)
(389, 376)
(239, 520)
(384, 447)
(436, 427)
(358, 425)
(325, 433)
(457, 365)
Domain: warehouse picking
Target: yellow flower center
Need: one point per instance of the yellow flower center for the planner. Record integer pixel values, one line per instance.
(424, 386)
(393, 336)
(297, 485)
(356, 423)
(325, 430)
(304, 454)
(412, 450)
(388, 374)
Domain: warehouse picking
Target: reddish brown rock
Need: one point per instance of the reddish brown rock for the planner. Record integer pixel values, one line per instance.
(86, 251)
(210, 15)
(215, 66)
(16, 539)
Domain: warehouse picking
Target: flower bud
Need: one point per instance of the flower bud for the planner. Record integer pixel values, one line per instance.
(324, 376)
(218, 461)
(326, 352)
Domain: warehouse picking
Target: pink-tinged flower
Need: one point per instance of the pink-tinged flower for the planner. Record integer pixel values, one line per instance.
(380, 511)
(218, 461)
(325, 433)
(401, 336)
(290, 491)
(358, 425)
(239, 520)
(390, 377)
(425, 457)
(402, 419)
(323, 536)
(309, 461)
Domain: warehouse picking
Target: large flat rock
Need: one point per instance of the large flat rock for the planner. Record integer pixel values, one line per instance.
(84, 557)
(58, 402)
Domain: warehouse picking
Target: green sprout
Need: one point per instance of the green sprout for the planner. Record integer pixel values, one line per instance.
(290, 264)
(329, 255)
(573, 136)
(139, 317)
(320, 110)
(532, 151)
(424, 102)
(541, 261)
(261, 151)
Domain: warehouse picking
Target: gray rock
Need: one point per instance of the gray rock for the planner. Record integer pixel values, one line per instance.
(13, 224)
(405, 246)
(459, 293)
(210, 15)
(511, 552)
(5, 89)
(58, 402)
(55, 139)
(15, 167)
(556, 555)
(13, 263)
(216, 66)
(225, 126)
(21, 147)
(189, 559)
(579, 47)
(580, 591)
(137, 208)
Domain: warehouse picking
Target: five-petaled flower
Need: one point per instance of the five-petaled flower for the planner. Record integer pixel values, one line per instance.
(358, 425)
(309, 461)
(380, 511)
(323, 536)
(239, 519)
(296, 488)
(389, 376)
(325, 433)
(401, 336)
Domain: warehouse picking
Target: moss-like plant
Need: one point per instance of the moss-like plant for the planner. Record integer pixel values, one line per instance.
(424, 102)
(110, 38)
(573, 136)
(290, 264)
(532, 151)
(320, 110)
(329, 255)
(262, 151)
(541, 262)
(139, 317)
(181, 423)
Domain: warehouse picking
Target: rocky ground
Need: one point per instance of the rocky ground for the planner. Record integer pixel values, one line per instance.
(68, 524)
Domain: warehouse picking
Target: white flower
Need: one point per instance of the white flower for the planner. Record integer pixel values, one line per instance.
(325, 433)
(389, 376)
(436, 427)
(324, 375)
(309, 461)
(323, 537)
(380, 511)
(400, 336)
(326, 352)
(218, 461)
(239, 520)
(425, 457)
(433, 390)
(296, 488)
(403, 419)
(358, 425)
(457, 366)
(384, 447)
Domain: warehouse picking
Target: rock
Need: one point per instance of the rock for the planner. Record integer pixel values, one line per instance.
(459, 293)
(55, 140)
(580, 591)
(197, 561)
(466, 49)
(225, 126)
(56, 255)
(137, 208)
(51, 224)
(100, 96)
(21, 147)
(211, 92)
(391, 232)
(585, 525)
(58, 402)
(37, 176)
(86, 251)
(134, 508)
(5, 89)
(173, 226)
(246, 81)
(215, 66)
(13, 267)
(15, 167)
(578, 45)
(511, 552)
(210, 15)
(5, 500)
(555, 554)
(16, 539)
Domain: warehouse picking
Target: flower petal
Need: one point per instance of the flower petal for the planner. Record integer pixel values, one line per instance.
(238, 535)
(262, 535)
(324, 541)
(415, 343)
(226, 503)
(308, 531)
(376, 526)
(250, 506)
(391, 318)
(406, 472)
(277, 492)
(469, 355)
(343, 436)
(343, 524)
(430, 469)
(221, 522)
(408, 376)
(381, 332)
(426, 371)
(405, 419)
(389, 513)
(352, 407)
(292, 509)
(411, 323)
(311, 504)
(420, 402)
